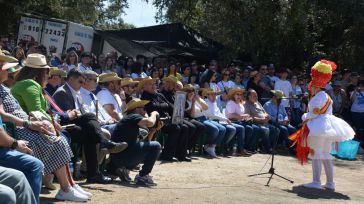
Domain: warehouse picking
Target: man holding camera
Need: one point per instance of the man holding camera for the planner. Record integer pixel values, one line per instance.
(140, 150)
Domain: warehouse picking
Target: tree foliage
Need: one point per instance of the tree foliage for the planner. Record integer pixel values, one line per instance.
(286, 32)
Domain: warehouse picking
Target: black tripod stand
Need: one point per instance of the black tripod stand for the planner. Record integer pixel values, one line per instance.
(271, 170)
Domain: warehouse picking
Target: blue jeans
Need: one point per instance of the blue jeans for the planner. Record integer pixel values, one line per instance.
(214, 131)
(231, 131)
(249, 140)
(358, 123)
(29, 165)
(240, 135)
(136, 153)
(285, 131)
(109, 128)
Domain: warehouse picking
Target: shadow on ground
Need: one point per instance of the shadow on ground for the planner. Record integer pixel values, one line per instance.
(317, 193)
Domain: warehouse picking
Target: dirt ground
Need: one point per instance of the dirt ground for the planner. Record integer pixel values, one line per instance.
(226, 180)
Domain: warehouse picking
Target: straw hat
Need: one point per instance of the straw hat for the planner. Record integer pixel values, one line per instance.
(145, 81)
(208, 91)
(253, 73)
(36, 61)
(233, 91)
(171, 79)
(108, 77)
(55, 71)
(135, 103)
(188, 87)
(10, 61)
(127, 81)
(278, 93)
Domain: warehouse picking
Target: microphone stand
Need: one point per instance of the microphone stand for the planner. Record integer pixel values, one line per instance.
(271, 170)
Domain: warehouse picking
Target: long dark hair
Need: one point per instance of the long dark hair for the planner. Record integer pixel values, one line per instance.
(36, 74)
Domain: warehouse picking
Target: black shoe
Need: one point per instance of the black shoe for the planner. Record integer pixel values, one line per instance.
(186, 159)
(123, 174)
(109, 146)
(99, 178)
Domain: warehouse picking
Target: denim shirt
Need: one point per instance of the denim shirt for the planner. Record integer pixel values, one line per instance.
(271, 109)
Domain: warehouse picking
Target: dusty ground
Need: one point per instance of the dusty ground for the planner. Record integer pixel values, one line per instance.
(226, 181)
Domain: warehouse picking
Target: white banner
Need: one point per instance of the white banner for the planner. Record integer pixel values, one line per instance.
(29, 30)
(54, 35)
(79, 37)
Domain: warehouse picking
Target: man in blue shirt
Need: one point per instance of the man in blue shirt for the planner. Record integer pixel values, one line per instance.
(279, 117)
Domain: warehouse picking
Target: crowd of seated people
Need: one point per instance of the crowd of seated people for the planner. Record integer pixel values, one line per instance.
(118, 106)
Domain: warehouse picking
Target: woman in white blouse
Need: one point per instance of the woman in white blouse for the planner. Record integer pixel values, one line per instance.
(235, 111)
(196, 109)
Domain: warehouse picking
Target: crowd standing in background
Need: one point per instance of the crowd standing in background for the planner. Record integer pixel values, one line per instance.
(117, 105)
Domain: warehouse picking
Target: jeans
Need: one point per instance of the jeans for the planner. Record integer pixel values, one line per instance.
(109, 128)
(14, 187)
(214, 131)
(296, 116)
(251, 137)
(136, 153)
(229, 135)
(357, 119)
(285, 131)
(240, 135)
(29, 165)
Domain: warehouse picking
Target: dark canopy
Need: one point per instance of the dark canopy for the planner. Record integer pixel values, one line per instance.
(170, 39)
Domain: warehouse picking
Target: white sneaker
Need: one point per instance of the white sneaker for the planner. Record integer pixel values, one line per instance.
(316, 185)
(329, 186)
(71, 195)
(211, 152)
(80, 190)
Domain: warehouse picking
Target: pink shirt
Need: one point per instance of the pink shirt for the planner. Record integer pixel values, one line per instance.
(232, 107)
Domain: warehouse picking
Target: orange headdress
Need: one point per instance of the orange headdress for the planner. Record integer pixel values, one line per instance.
(321, 73)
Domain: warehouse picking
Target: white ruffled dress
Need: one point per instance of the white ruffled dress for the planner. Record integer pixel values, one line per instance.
(324, 128)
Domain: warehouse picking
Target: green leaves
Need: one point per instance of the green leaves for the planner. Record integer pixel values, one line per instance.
(286, 32)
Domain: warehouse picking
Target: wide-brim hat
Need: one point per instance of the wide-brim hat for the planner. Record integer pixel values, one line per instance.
(7, 58)
(135, 103)
(55, 71)
(171, 79)
(37, 61)
(278, 93)
(253, 73)
(233, 91)
(107, 77)
(145, 81)
(127, 81)
(208, 91)
(13, 68)
(188, 87)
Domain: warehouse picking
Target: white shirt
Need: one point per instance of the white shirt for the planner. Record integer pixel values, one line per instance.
(107, 98)
(358, 104)
(198, 109)
(232, 107)
(141, 75)
(286, 87)
(229, 84)
(103, 116)
(213, 112)
(76, 97)
(83, 67)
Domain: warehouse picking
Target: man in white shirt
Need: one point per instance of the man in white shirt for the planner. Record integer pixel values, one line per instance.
(232, 129)
(284, 85)
(109, 95)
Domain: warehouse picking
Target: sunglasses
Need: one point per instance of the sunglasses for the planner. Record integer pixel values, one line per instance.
(226, 74)
(81, 81)
(238, 94)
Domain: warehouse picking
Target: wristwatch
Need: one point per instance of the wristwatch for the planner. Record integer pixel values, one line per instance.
(15, 144)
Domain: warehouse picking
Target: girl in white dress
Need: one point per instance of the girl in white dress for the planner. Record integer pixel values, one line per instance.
(321, 128)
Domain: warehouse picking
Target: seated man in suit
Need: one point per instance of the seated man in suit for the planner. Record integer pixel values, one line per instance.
(87, 130)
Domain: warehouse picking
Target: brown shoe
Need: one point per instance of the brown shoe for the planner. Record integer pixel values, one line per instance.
(243, 153)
